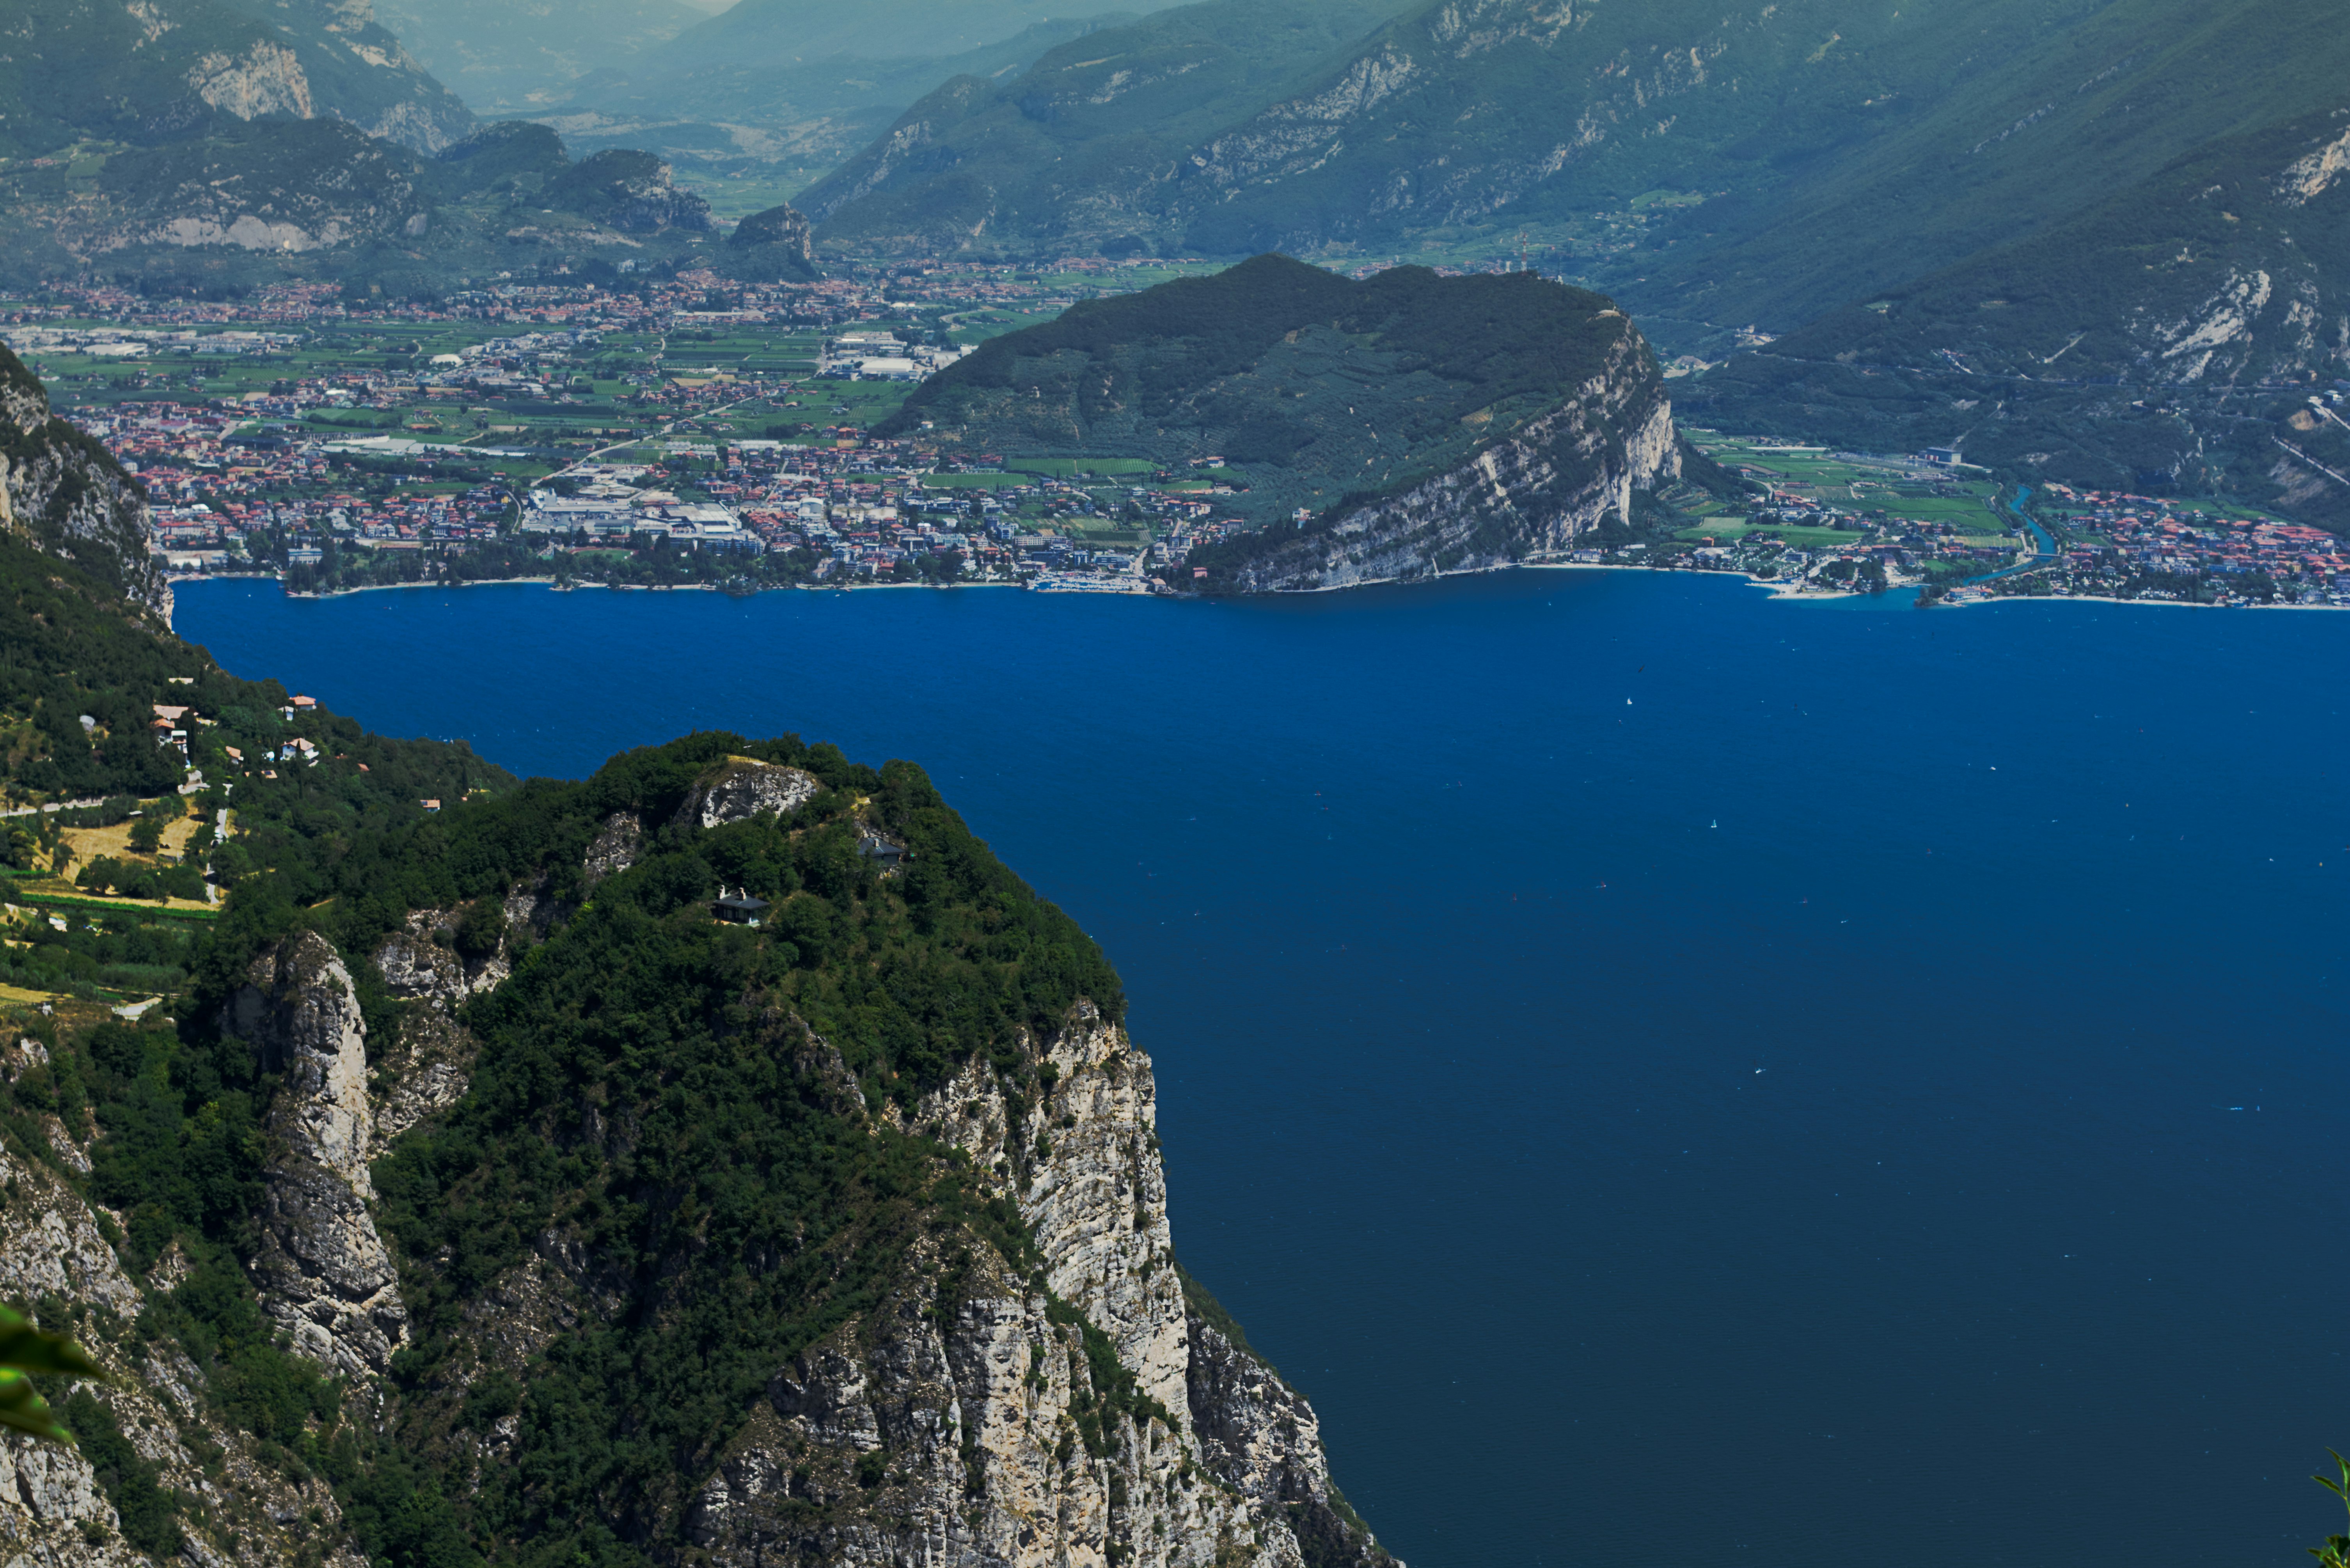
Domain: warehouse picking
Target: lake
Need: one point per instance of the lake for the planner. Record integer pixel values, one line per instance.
(1670, 1072)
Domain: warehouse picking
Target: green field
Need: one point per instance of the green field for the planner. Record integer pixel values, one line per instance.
(1071, 467)
(973, 481)
(1963, 500)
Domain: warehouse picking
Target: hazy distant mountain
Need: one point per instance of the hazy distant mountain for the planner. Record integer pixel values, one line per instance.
(157, 70)
(1086, 144)
(805, 31)
(511, 56)
(1835, 146)
(751, 114)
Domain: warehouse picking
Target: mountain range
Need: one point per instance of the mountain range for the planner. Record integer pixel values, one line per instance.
(162, 70)
(2076, 194)
(1935, 211)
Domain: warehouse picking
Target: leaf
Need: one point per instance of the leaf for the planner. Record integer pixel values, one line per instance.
(25, 1348)
(26, 1410)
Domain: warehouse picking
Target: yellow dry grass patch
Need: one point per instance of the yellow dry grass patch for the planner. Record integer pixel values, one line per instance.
(90, 843)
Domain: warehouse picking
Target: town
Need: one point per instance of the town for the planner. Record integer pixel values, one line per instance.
(695, 430)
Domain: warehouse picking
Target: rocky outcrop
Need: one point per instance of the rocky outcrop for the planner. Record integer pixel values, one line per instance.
(630, 191)
(966, 1443)
(1261, 1437)
(427, 1069)
(428, 1065)
(274, 184)
(1530, 494)
(1090, 1185)
(772, 246)
(614, 849)
(742, 788)
(65, 493)
(323, 1274)
(268, 78)
(975, 1436)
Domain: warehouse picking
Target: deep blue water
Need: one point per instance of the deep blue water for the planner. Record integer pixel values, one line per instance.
(1672, 1074)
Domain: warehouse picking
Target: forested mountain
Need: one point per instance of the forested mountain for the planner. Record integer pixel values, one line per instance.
(61, 493)
(213, 144)
(1970, 221)
(487, 1191)
(1417, 424)
(2167, 337)
(796, 85)
(1076, 149)
(162, 70)
(248, 203)
(1825, 148)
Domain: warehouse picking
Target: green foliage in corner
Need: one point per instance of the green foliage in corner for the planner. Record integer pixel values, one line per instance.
(2335, 1552)
(26, 1349)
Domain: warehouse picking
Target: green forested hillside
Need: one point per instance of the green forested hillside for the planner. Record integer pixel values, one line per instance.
(1808, 151)
(1076, 149)
(749, 1213)
(1311, 388)
(2159, 339)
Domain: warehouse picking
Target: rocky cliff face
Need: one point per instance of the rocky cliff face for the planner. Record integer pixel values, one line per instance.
(1528, 494)
(66, 494)
(54, 1509)
(331, 57)
(986, 1437)
(323, 1274)
(771, 245)
(630, 191)
(1051, 1406)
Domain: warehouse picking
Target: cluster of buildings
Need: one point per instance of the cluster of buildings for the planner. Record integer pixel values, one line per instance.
(2139, 547)
(227, 499)
(883, 357)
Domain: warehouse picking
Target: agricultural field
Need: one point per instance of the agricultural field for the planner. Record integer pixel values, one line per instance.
(1963, 503)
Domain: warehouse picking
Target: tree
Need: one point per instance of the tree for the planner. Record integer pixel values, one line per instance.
(147, 835)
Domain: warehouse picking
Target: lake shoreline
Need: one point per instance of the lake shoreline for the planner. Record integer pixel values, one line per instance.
(1778, 588)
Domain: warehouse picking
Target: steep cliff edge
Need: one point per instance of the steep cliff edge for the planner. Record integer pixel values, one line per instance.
(1528, 495)
(66, 494)
(501, 1202)
(492, 1192)
(323, 1274)
(1079, 1417)
(1003, 1372)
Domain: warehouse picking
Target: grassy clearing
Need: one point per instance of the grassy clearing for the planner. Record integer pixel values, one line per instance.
(1071, 467)
(972, 480)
